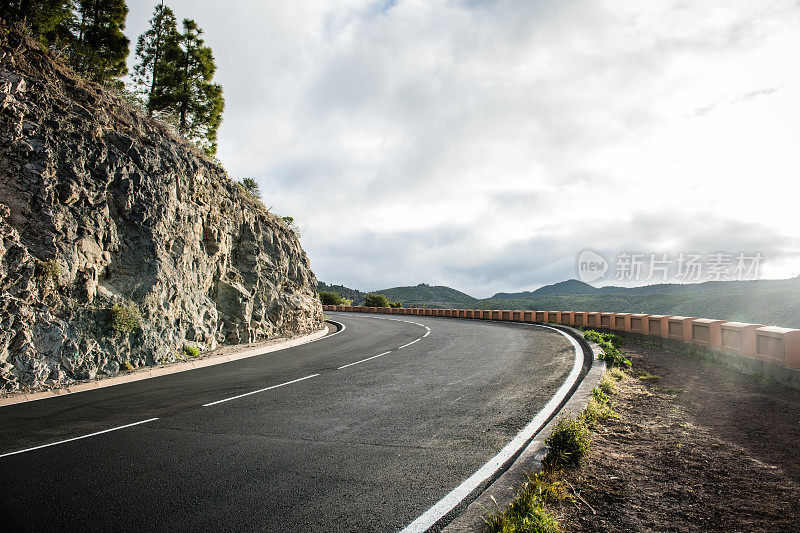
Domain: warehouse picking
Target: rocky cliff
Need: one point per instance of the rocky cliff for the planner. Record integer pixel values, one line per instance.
(120, 244)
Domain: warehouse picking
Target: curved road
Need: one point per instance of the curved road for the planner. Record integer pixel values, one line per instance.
(296, 440)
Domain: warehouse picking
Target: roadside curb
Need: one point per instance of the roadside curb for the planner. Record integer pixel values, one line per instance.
(172, 368)
(500, 493)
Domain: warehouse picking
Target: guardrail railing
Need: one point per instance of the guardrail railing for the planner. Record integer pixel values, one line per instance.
(770, 344)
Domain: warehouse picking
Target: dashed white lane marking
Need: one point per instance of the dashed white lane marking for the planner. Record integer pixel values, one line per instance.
(410, 343)
(449, 502)
(79, 438)
(260, 390)
(363, 360)
(426, 334)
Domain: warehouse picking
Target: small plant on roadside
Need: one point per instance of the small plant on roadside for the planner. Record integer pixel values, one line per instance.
(568, 443)
(124, 319)
(528, 511)
(616, 374)
(649, 378)
(607, 384)
(191, 351)
(609, 343)
(599, 406)
(125, 365)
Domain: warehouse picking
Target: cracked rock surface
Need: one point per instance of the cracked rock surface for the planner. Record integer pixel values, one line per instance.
(120, 243)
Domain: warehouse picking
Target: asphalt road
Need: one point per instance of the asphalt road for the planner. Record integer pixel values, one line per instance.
(367, 447)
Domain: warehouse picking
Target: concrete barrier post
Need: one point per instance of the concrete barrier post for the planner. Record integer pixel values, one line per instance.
(579, 319)
(707, 332)
(740, 337)
(621, 322)
(593, 320)
(540, 316)
(529, 316)
(680, 328)
(770, 345)
(554, 317)
(606, 320)
(639, 323)
(791, 341)
(658, 326)
(565, 318)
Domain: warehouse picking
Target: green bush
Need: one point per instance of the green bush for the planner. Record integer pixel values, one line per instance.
(376, 300)
(395, 304)
(568, 443)
(609, 343)
(124, 319)
(331, 298)
(191, 351)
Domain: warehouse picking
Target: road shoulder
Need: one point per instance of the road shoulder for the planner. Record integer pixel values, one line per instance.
(698, 446)
(224, 354)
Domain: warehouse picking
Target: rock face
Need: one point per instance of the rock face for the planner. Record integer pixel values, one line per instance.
(121, 244)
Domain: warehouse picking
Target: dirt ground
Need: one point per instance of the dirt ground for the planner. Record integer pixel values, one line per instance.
(701, 448)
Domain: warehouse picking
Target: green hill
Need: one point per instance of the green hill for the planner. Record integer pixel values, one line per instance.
(770, 302)
(424, 295)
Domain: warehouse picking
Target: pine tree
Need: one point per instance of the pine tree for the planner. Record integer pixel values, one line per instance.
(199, 101)
(100, 47)
(50, 21)
(157, 52)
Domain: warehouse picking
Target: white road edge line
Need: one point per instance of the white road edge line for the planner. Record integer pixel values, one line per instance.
(260, 390)
(410, 343)
(363, 360)
(78, 438)
(449, 502)
(426, 334)
(341, 329)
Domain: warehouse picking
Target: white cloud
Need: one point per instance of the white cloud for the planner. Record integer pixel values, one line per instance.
(484, 144)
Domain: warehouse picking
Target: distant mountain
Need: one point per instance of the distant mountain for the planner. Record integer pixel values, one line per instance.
(424, 295)
(770, 302)
(571, 286)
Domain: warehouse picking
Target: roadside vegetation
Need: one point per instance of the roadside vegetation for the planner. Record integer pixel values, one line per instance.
(531, 509)
(373, 299)
(333, 298)
(610, 344)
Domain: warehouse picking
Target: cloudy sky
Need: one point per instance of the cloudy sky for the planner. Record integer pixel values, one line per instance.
(484, 144)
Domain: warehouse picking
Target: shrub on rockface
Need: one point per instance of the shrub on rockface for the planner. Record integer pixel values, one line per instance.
(124, 319)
